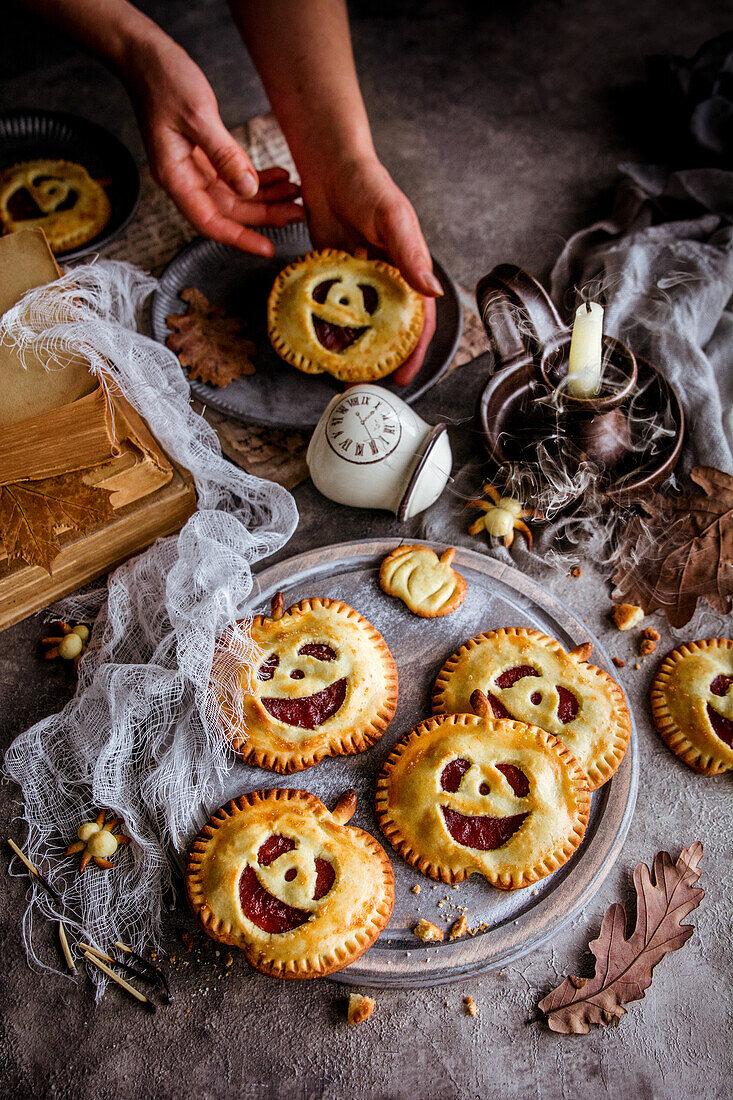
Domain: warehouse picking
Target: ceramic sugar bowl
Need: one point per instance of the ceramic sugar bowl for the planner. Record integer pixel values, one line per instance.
(370, 450)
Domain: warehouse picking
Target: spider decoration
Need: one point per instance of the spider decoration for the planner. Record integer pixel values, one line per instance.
(97, 841)
(502, 516)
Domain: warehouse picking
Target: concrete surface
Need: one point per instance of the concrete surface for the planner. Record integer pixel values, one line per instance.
(504, 124)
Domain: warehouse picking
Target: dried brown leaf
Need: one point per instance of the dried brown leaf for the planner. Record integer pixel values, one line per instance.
(681, 551)
(32, 512)
(209, 342)
(624, 966)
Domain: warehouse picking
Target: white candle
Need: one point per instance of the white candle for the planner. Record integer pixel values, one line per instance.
(586, 351)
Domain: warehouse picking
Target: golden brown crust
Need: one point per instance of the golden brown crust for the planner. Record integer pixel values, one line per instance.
(59, 197)
(598, 737)
(425, 583)
(680, 697)
(387, 335)
(549, 819)
(343, 924)
(363, 662)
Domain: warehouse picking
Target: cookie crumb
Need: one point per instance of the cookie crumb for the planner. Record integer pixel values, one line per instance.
(427, 932)
(229, 960)
(458, 928)
(471, 1006)
(576, 571)
(416, 888)
(360, 1008)
(618, 662)
(626, 615)
(647, 646)
(651, 634)
(637, 666)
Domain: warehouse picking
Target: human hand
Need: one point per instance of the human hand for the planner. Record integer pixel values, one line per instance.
(195, 159)
(358, 202)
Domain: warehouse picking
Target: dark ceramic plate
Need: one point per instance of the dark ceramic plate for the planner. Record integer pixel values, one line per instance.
(33, 135)
(277, 394)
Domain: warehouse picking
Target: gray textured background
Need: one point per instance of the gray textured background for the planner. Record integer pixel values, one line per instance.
(505, 129)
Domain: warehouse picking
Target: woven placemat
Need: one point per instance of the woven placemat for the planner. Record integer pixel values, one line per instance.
(159, 232)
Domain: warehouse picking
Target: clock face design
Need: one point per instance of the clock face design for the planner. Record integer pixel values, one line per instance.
(363, 428)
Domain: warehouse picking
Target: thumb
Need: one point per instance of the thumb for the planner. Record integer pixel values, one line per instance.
(229, 159)
(401, 237)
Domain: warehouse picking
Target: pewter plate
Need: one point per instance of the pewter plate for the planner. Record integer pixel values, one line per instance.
(512, 923)
(277, 394)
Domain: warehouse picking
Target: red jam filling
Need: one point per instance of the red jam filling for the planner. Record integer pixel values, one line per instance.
(516, 778)
(319, 650)
(310, 711)
(722, 726)
(498, 709)
(335, 337)
(275, 845)
(453, 773)
(263, 908)
(536, 698)
(267, 668)
(721, 683)
(510, 676)
(370, 296)
(297, 674)
(320, 293)
(567, 706)
(482, 833)
(325, 877)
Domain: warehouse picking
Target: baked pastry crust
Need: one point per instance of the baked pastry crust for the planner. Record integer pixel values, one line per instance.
(337, 928)
(426, 583)
(380, 338)
(72, 208)
(544, 825)
(598, 735)
(682, 700)
(348, 683)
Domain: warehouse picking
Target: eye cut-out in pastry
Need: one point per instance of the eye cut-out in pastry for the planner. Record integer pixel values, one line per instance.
(426, 583)
(324, 684)
(56, 196)
(692, 704)
(465, 794)
(529, 677)
(354, 318)
(277, 875)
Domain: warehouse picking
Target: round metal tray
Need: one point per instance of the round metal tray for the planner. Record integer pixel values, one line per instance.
(512, 923)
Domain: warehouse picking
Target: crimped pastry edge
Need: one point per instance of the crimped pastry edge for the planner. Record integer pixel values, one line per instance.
(72, 238)
(446, 609)
(314, 965)
(601, 770)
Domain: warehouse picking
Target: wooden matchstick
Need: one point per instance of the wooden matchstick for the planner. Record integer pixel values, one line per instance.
(33, 870)
(65, 947)
(120, 981)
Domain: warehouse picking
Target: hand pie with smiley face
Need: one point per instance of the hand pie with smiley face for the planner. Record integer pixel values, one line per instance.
(465, 794)
(692, 704)
(57, 196)
(355, 318)
(276, 874)
(324, 684)
(529, 677)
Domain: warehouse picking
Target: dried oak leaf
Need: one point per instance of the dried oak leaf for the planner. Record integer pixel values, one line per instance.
(682, 551)
(624, 966)
(209, 342)
(31, 512)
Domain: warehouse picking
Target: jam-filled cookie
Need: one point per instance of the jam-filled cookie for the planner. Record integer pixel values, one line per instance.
(355, 318)
(426, 583)
(276, 874)
(529, 677)
(692, 704)
(467, 793)
(57, 196)
(324, 683)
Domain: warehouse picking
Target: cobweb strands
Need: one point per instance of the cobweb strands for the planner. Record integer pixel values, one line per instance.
(141, 735)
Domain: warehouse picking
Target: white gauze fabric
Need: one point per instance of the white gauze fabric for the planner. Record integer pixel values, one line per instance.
(139, 737)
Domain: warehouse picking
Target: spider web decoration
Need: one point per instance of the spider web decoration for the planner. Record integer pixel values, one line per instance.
(140, 736)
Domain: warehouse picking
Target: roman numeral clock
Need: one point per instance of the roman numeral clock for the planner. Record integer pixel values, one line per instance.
(370, 450)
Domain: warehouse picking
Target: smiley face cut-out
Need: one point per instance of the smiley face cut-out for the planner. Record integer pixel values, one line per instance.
(529, 677)
(467, 794)
(323, 683)
(300, 892)
(692, 704)
(354, 318)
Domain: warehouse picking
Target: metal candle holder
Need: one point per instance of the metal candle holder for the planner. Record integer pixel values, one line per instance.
(632, 430)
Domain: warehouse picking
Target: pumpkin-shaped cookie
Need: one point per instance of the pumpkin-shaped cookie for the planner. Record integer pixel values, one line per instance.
(529, 677)
(56, 196)
(324, 683)
(276, 874)
(355, 318)
(692, 704)
(467, 794)
(426, 583)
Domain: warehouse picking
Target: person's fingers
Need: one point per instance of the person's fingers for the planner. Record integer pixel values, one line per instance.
(276, 174)
(197, 205)
(228, 159)
(254, 212)
(278, 192)
(401, 236)
(405, 374)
